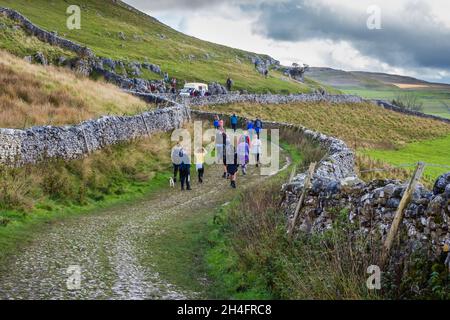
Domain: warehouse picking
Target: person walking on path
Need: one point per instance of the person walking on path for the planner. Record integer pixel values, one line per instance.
(256, 150)
(185, 169)
(258, 125)
(232, 165)
(250, 126)
(226, 143)
(229, 84)
(243, 153)
(200, 163)
(234, 122)
(176, 161)
(216, 122)
(220, 147)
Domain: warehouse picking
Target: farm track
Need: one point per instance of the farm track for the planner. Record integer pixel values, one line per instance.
(111, 246)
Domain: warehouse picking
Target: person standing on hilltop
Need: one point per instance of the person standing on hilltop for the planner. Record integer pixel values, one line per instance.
(174, 85)
(234, 122)
(229, 84)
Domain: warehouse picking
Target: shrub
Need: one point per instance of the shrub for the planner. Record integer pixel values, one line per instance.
(408, 101)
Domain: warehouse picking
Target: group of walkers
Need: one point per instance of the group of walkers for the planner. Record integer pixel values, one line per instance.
(232, 154)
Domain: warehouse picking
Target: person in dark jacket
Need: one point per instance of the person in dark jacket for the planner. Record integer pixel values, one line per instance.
(176, 161)
(225, 144)
(232, 164)
(258, 125)
(234, 122)
(185, 170)
(229, 84)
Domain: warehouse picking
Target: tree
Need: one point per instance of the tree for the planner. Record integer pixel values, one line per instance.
(298, 71)
(408, 101)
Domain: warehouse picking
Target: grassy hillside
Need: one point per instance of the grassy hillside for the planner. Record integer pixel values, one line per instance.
(385, 135)
(36, 95)
(35, 195)
(184, 57)
(435, 97)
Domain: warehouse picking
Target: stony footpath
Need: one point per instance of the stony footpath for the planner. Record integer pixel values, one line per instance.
(115, 247)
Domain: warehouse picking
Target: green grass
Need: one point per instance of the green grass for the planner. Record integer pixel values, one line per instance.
(21, 44)
(103, 20)
(390, 137)
(360, 125)
(433, 99)
(35, 196)
(435, 151)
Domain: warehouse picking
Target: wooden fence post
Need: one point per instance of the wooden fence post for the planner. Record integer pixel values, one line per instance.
(145, 124)
(291, 177)
(399, 214)
(88, 150)
(306, 186)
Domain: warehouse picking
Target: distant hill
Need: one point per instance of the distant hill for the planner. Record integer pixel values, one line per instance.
(113, 29)
(434, 96)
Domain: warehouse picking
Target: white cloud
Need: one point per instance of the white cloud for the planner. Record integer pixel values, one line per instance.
(227, 23)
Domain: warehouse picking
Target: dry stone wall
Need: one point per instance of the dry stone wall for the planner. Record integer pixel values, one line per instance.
(45, 36)
(18, 147)
(370, 207)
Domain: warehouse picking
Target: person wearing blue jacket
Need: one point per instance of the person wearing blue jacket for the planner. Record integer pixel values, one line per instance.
(258, 125)
(234, 122)
(250, 127)
(216, 122)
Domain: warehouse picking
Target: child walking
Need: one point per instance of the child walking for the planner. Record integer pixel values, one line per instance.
(200, 163)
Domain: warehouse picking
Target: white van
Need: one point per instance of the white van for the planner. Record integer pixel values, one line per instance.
(194, 86)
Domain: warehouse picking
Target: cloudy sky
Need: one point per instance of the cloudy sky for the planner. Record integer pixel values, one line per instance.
(414, 38)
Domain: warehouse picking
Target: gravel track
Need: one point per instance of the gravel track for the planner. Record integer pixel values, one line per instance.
(108, 246)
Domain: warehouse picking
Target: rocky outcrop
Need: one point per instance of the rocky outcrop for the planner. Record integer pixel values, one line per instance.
(19, 147)
(263, 64)
(215, 88)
